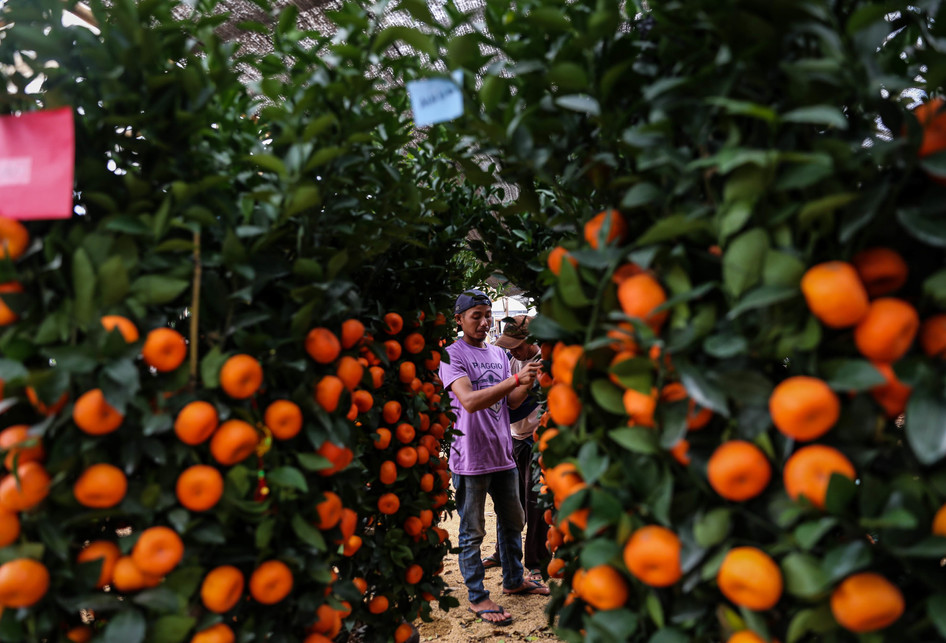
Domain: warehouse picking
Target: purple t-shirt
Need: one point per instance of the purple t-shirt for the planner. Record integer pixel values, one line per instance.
(485, 443)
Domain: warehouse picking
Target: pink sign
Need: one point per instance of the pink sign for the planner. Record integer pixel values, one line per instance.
(37, 163)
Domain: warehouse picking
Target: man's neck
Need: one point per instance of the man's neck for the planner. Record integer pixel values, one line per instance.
(472, 342)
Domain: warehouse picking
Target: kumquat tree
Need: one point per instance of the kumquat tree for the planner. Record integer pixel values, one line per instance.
(221, 419)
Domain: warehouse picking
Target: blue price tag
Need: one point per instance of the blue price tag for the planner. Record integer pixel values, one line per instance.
(435, 100)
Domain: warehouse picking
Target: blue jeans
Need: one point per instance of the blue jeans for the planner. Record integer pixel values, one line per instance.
(503, 488)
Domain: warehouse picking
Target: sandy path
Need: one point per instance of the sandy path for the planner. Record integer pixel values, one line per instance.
(460, 626)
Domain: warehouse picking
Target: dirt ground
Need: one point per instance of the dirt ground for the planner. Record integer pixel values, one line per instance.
(459, 625)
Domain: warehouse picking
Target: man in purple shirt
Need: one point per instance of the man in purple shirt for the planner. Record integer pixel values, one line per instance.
(481, 458)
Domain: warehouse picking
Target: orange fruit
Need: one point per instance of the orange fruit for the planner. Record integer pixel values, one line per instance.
(750, 578)
(222, 588)
(322, 345)
(640, 407)
(164, 349)
(738, 470)
(404, 432)
(349, 371)
(14, 238)
(808, 472)
(389, 503)
(271, 582)
(406, 372)
(339, 456)
(939, 522)
(9, 527)
(392, 349)
(804, 407)
(932, 119)
(933, 336)
(378, 604)
(94, 415)
(219, 633)
(393, 323)
(14, 439)
(681, 452)
(80, 634)
(199, 487)
(834, 294)
(414, 343)
(387, 473)
(403, 632)
(196, 422)
(866, 602)
(432, 363)
(348, 523)
(746, 636)
(639, 296)
(696, 419)
(391, 411)
(564, 360)
(241, 376)
(328, 510)
(351, 546)
(7, 316)
(882, 270)
(413, 574)
(353, 332)
(556, 568)
(41, 406)
(284, 419)
(157, 551)
(610, 219)
(32, 489)
(563, 404)
(363, 401)
(555, 258)
(126, 577)
(100, 486)
(108, 553)
(23, 582)
(328, 392)
(315, 637)
(377, 376)
(124, 326)
(652, 554)
(383, 438)
(427, 482)
(234, 441)
(406, 457)
(886, 333)
(603, 588)
(893, 395)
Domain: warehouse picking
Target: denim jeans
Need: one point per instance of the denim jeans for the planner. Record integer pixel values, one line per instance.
(503, 488)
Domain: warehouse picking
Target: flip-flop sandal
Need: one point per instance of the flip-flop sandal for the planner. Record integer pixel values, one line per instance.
(491, 561)
(534, 574)
(529, 587)
(479, 614)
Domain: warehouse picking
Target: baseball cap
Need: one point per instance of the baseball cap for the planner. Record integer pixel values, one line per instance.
(471, 298)
(515, 332)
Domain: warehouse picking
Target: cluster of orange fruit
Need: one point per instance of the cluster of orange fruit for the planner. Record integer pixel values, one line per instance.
(858, 295)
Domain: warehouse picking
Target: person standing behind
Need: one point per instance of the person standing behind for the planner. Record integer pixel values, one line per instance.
(481, 459)
(524, 420)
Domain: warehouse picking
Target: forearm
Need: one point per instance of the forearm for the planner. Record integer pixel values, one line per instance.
(473, 401)
(517, 396)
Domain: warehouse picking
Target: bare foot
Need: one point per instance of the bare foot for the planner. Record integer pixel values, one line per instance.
(491, 612)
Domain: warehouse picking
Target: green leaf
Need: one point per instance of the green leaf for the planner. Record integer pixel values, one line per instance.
(925, 223)
(607, 396)
(641, 194)
(419, 41)
(570, 286)
(851, 374)
(824, 206)
(113, 278)
(210, 366)
(725, 346)
(171, 628)
(307, 533)
(744, 260)
(846, 559)
(762, 297)
(808, 534)
(711, 528)
(701, 389)
(782, 269)
(568, 76)
(268, 162)
(579, 103)
(159, 599)
(157, 289)
(83, 283)
(926, 425)
(288, 477)
(677, 225)
(549, 18)
(636, 439)
(128, 626)
(635, 373)
(817, 115)
(803, 575)
(303, 198)
(896, 518)
(934, 287)
(936, 612)
(74, 359)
